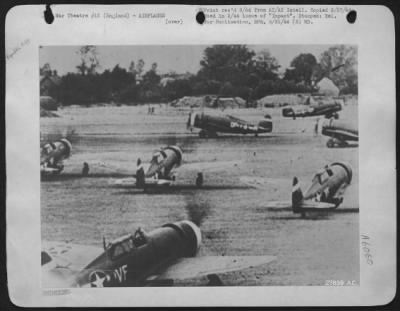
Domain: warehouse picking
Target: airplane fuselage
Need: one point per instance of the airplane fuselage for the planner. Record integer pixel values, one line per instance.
(339, 131)
(327, 186)
(131, 260)
(213, 124)
(328, 110)
(164, 161)
(52, 154)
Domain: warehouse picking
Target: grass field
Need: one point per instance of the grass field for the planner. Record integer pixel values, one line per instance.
(232, 215)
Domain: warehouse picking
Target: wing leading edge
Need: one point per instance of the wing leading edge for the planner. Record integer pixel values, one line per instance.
(186, 268)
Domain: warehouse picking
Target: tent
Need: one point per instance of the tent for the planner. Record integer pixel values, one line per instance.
(327, 87)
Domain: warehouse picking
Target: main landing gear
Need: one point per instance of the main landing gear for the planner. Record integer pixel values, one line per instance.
(334, 142)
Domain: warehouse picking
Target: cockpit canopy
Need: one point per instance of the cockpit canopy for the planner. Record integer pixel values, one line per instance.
(127, 244)
(157, 157)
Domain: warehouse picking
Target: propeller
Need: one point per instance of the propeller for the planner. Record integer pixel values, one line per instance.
(188, 121)
(69, 133)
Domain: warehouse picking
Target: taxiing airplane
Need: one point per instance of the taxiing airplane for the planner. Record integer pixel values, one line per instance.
(156, 258)
(328, 110)
(211, 125)
(52, 156)
(340, 132)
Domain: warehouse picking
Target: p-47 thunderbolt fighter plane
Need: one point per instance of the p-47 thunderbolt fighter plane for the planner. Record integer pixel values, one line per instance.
(143, 259)
(340, 132)
(324, 194)
(328, 110)
(161, 170)
(210, 125)
(52, 156)
(326, 189)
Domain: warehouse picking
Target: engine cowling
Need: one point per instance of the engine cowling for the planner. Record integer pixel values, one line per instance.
(191, 235)
(266, 124)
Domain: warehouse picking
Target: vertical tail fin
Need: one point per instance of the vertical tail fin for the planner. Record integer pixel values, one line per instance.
(297, 195)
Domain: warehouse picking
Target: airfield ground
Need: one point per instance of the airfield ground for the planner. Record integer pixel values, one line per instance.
(232, 215)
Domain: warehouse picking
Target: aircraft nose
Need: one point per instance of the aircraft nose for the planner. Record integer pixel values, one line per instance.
(196, 230)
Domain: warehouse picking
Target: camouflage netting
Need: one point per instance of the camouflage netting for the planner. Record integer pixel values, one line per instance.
(281, 100)
(327, 87)
(48, 114)
(48, 103)
(210, 101)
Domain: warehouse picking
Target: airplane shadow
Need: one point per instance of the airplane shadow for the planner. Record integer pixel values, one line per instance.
(178, 189)
(316, 216)
(298, 217)
(240, 136)
(354, 145)
(69, 176)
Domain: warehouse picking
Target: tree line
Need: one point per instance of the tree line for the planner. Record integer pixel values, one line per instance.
(225, 70)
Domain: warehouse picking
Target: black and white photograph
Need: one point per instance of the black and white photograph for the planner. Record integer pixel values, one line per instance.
(200, 155)
(219, 165)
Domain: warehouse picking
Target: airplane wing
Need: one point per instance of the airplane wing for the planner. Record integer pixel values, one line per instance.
(279, 205)
(210, 166)
(130, 182)
(49, 170)
(185, 268)
(61, 261)
(306, 205)
(339, 133)
(314, 205)
(262, 182)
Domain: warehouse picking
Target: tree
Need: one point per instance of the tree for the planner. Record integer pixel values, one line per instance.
(89, 62)
(154, 67)
(265, 65)
(46, 70)
(339, 63)
(226, 63)
(302, 69)
(132, 69)
(227, 90)
(139, 71)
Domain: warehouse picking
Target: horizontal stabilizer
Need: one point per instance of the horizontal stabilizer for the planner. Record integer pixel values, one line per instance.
(279, 205)
(211, 166)
(313, 205)
(123, 182)
(261, 182)
(130, 182)
(186, 268)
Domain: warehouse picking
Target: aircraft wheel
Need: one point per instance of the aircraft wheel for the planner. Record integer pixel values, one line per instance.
(336, 116)
(330, 143)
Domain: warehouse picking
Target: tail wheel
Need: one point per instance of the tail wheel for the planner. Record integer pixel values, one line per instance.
(336, 115)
